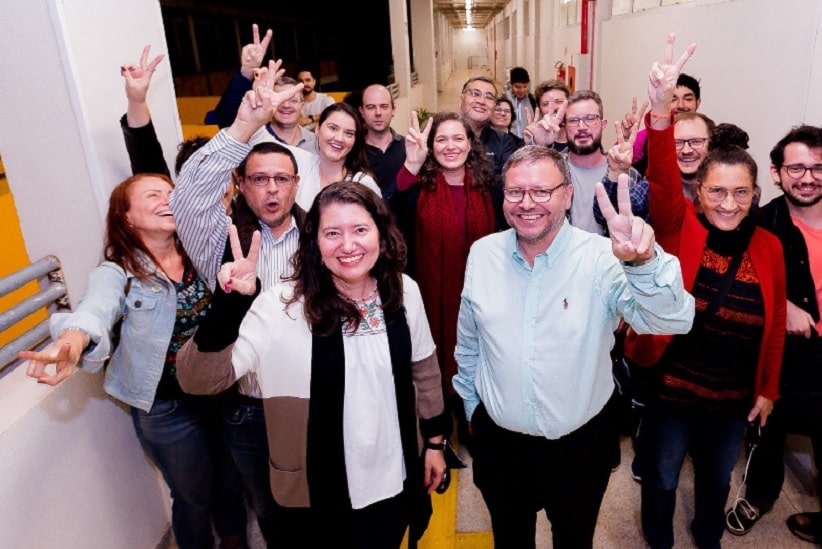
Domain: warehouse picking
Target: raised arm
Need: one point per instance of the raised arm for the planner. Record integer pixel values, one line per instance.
(251, 58)
(668, 206)
(144, 150)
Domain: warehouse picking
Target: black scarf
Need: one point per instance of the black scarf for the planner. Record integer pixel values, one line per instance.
(729, 243)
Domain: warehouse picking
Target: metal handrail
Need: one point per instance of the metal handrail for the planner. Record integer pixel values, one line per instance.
(53, 294)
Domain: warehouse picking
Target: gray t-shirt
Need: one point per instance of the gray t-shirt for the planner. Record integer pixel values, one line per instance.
(582, 205)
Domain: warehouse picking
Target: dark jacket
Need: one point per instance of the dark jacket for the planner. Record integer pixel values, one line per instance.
(802, 358)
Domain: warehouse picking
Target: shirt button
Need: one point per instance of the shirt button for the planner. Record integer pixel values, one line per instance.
(138, 303)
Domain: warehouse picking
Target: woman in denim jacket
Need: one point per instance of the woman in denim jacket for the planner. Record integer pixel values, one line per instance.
(149, 282)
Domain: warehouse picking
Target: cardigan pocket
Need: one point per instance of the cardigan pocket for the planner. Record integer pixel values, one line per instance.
(290, 488)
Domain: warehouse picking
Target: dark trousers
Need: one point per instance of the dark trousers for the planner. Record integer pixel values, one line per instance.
(381, 525)
(791, 414)
(714, 444)
(518, 475)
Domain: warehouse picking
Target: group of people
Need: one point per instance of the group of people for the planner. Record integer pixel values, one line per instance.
(310, 342)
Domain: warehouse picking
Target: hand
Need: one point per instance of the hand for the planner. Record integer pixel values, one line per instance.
(621, 154)
(632, 238)
(259, 103)
(546, 130)
(416, 144)
(631, 119)
(762, 408)
(240, 275)
(662, 80)
(64, 353)
(799, 322)
(434, 468)
(138, 77)
(253, 54)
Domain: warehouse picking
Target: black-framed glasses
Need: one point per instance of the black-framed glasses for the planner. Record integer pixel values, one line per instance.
(502, 111)
(798, 171)
(719, 194)
(474, 93)
(540, 196)
(696, 143)
(589, 119)
(262, 180)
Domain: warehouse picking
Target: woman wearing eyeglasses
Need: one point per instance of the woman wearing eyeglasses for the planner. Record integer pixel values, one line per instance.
(504, 117)
(708, 384)
(447, 198)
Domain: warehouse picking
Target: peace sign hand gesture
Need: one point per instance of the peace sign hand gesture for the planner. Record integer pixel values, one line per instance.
(253, 54)
(632, 118)
(416, 144)
(240, 275)
(545, 130)
(138, 77)
(662, 80)
(632, 238)
(621, 154)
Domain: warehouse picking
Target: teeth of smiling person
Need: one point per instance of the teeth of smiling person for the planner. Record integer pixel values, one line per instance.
(350, 259)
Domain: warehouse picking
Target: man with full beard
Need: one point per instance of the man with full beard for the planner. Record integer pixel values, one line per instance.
(796, 218)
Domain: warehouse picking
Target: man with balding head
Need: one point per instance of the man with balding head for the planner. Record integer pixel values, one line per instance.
(384, 146)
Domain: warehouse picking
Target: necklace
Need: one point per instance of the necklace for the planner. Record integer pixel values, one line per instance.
(364, 299)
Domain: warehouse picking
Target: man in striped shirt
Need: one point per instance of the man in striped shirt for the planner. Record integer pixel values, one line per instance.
(268, 181)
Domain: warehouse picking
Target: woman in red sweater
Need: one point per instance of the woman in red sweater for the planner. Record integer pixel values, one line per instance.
(711, 382)
(447, 198)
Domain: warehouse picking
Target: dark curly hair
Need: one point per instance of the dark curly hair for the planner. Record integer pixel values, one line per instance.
(324, 307)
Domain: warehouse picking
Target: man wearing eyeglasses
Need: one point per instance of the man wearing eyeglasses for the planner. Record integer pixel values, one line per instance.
(268, 183)
(539, 306)
(478, 100)
(796, 219)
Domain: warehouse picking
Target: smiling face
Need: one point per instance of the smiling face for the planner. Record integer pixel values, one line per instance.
(149, 214)
(270, 203)
(501, 119)
(586, 138)
(690, 155)
(804, 191)
(684, 100)
(336, 136)
(725, 195)
(349, 243)
(289, 111)
(536, 224)
(451, 145)
(377, 109)
(477, 102)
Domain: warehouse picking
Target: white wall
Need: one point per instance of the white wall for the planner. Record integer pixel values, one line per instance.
(73, 474)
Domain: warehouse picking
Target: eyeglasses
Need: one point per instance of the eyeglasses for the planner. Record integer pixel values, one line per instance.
(294, 101)
(540, 196)
(798, 171)
(502, 111)
(474, 93)
(718, 194)
(696, 143)
(262, 180)
(589, 119)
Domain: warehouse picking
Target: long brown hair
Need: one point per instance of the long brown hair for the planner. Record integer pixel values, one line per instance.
(477, 163)
(123, 245)
(357, 159)
(324, 307)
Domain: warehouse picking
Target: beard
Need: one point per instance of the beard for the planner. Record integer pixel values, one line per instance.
(596, 145)
(802, 202)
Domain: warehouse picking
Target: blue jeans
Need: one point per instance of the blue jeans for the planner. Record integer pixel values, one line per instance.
(176, 436)
(714, 444)
(245, 435)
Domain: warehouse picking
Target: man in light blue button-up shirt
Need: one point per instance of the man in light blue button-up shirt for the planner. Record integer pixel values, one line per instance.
(539, 308)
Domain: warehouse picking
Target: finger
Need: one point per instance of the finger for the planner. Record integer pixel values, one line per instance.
(624, 195)
(234, 240)
(35, 369)
(427, 129)
(144, 55)
(642, 111)
(633, 106)
(561, 112)
(668, 58)
(645, 246)
(254, 249)
(275, 70)
(605, 206)
(266, 41)
(619, 133)
(529, 117)
(415, 121)
(638, 235)
(255, 33)
(689, 51)
(154, 62)
(224, 277)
